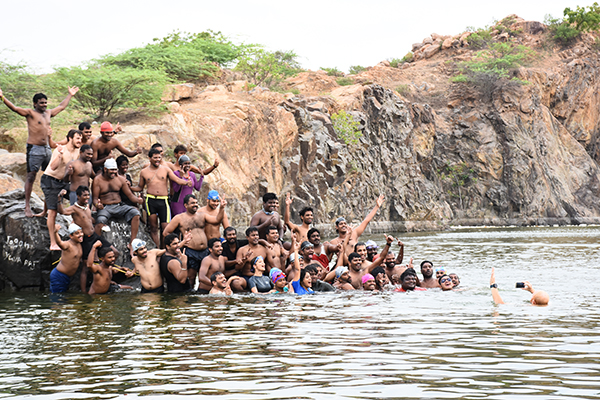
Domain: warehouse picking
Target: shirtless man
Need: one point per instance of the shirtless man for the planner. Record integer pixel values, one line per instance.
(82, 216)
(39, 136)
(157, 177)
(267, 216)
(52, 181)
(80, 171)
(429, 281)
(105, 144)
(194, 222)
(306, 215)
(107, 200)
(342, 279)
(341, 227)
(212, 208)
(321, 250)
(70, 258)
(103, 272)
(211, 264)
(86, 131)
(220, 284)
(146, 264)
(245, 255)
(277, 254)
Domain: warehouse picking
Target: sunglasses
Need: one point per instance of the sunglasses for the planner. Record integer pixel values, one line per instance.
(444, 280)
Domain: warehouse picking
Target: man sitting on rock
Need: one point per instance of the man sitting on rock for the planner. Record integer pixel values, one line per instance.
(107, 200)
(70, 258)
(105, 144)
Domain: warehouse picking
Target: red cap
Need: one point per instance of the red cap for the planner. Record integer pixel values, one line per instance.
(106, 127)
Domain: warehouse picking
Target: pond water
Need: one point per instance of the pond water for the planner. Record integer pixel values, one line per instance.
(332, 346)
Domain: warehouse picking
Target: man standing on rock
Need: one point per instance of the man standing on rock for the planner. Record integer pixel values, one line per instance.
(194, 222)
(80, 171)
(156, 177)
(105, 144)
(52, 181)
(107, 200)
(306, 215)
(70, 258)
(267, 216)
(39, 136)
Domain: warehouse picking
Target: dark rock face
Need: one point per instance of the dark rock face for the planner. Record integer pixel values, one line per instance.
(24, 243)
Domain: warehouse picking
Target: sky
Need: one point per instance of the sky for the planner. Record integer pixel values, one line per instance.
(326, 33)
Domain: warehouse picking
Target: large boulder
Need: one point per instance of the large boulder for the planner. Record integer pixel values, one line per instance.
(14, 164)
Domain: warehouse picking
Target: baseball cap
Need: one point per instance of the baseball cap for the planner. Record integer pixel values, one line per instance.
(137, 244)
(74, 228)
(106, 127)
(110, 163)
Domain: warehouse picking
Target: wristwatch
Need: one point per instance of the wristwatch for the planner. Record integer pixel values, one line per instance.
(493, 286)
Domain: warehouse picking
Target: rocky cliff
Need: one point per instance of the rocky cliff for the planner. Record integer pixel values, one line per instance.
(442, 153)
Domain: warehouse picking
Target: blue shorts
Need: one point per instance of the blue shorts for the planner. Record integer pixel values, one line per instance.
(59, 282)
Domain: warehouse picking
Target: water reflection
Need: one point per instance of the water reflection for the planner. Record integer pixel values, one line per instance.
(390, 345)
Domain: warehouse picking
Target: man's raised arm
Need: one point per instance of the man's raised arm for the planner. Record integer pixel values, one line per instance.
(363, 225)
(286, 214)
(21, 111)
(63, 104)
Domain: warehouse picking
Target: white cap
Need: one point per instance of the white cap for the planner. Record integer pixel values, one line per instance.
(74, 228)
(137, 244)
(110, 163)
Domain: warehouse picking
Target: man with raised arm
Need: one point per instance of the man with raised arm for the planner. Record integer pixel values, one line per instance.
(306, 215)
(53, 179)
(342, 226)
(194, 222)
(103, 272)
(105, 144)
(146, 264)
(538, 298)
(157, 177)
(173, 265)
(106, 198)
(39, 137)
(80, 171)
(267, 216)
(70, 258)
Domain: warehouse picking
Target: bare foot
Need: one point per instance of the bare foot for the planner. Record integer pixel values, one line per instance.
(28, 213)
(41, 215)
(54, 247)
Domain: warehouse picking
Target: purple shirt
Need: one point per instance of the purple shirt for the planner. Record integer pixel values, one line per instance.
(179, 192)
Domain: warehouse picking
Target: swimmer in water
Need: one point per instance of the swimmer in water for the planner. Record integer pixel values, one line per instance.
(538, 298)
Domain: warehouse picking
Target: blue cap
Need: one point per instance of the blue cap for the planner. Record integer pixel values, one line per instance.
(213, 195)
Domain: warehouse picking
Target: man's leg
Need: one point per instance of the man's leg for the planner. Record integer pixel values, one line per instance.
(135, 226)
(28, 188)
(50, 223)
(153, 223)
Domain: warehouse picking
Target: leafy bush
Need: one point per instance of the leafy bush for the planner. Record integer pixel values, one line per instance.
(480, 38)
(459, 176)
(345, 81)
(333, 72)
(109, 88)
(264, 68)
(346, 127)
(18, 86)
(497, 60)
(408, 57)
(582, 19)
(182, 56)
(356, 69)
(394, 62)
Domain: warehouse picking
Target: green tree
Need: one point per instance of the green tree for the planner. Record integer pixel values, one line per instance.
(585, 19)
(459, 175)
(356, 69)
(19, 86)
(264, 68)
(106, 89)
(346, 127)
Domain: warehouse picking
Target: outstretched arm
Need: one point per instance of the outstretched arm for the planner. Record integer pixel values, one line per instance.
(295, 273)
(128, 153)
(363, 225)
(59, 242)
(219, 217)
(286, 214)
(383, 255)
(63, 104)
(59, 206)
(90, 261)
(21, 111)
(400, 256)
(495, 293)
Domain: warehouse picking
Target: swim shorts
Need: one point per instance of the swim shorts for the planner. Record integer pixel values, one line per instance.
(159, 205)
(88, 243)
(59, 282)
(51, 188)
(118, 210)
(38, 157)
(202, 291)
(195, 257)
(160, 289)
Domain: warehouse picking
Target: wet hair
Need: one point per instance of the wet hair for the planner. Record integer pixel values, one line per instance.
(213, 277)
(406, 273)
(84, 125)
(85, 148)
(250, 230)
(352, 256)
(179, 148)
(377, 270)
(104, 251)
(38, 96)
(228, 229)
(120, 160)
(169, 238)
(153, 151)
(359, 244)
(272, 228)
(81, 190)
(310, 268)
(155, 145)
(305, 210)
(72, 134)
(269, 196)
(212, 241)
(311, 231)
(187, 198)
(424, 262)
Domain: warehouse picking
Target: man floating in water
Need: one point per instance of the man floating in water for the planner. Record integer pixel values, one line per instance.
(538, 298)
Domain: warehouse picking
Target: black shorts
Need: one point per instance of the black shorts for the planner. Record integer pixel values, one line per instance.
(202, 291)
(195, 257)
(159, 207)
(160, 289)
(51, 188)
(38, 157)
(88, 243)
